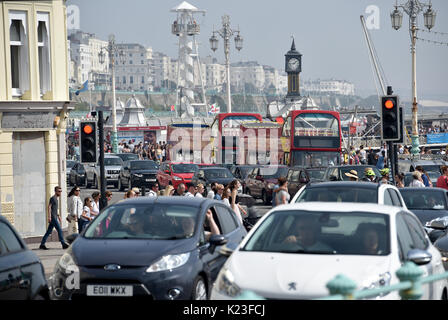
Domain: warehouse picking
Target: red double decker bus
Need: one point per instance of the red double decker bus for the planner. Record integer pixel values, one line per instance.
(226, 129)
(315, 138)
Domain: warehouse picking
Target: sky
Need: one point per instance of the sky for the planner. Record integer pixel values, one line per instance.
(327, 33)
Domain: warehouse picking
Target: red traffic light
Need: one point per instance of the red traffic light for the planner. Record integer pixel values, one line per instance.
(88, 129)
(389, 104)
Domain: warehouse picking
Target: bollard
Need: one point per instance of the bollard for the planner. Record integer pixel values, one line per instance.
(410, 272)
(342, 285)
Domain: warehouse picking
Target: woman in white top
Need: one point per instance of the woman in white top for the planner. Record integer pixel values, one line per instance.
(95, 204)
(74, 208)
(234, 186)
(86, 216)
(282, 196)
(200, 188)
(417, 182)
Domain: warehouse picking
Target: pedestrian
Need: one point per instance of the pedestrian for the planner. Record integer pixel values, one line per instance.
(219, 192)
(95, 204)
(282, 196)
(108, 196)
(191, 191)
(371, 159)
(154, 190)
(129, 194)
(200, 191)
(442, 181)
(211, 193)
(74, 208)
(180, 191)
(54, 220)
(169, 190)
(136, 191)
(353, 175)
(417, 182)
(363, 155)
(399, 180)
(369, 175)
(381, 160)
(86, 216)
(236, 207)
(384, 176)
(426, 181)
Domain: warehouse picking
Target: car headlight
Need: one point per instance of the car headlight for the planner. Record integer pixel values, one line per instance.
(138, 175)
(67, 264)
(177, 178)
(169, 262)
(444, 255)
(226, 284)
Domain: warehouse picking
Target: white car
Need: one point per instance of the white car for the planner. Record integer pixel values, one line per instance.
(295, 250)
(350, 191)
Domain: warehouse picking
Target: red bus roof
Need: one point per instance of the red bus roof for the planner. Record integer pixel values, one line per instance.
(222, 116)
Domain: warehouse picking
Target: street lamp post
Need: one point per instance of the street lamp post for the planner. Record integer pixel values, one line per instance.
(226, 32)
(112, 51)
(412, 9)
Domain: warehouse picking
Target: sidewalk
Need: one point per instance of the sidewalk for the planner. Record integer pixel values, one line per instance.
(48, 257)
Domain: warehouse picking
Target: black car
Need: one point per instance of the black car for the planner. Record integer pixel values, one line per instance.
(438, 233)
(241, 172)
(159, 248)
(127, 156)
(207, 175)
(22, 275)
(77, 175)
(69, 166)
(137, 173)
(426, 203)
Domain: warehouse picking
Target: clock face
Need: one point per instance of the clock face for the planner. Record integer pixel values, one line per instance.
(293, 64)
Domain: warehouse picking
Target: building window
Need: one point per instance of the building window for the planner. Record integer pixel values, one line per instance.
(130, 61)
(131, 79)
(124, 79)
(18, 41)
(143, 79)
(43, 44)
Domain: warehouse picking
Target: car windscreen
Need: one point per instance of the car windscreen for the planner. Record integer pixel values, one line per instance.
(112, 161)
(424, 199)
(144, 165)
(433, 176)
(218, 173)
(305, 232)
(184, 168)
(338, 194)
(143, 221)
(129, 156)
(70, 163)
(273, 172)
(429, 167)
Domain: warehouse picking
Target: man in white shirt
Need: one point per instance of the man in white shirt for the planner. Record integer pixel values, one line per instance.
(211, 193)
(154, 189)
(191, 190)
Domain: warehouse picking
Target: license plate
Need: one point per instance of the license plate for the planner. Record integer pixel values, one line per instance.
(109, 291)
(150, 180)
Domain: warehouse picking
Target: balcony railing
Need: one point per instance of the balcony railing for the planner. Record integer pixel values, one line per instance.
(190, 29)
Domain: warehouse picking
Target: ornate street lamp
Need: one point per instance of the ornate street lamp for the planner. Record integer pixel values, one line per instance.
(226, 33)
(412, 9)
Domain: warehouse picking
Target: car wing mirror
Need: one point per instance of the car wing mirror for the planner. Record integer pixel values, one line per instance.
(438, 223)
(419, 257)
(217, 240)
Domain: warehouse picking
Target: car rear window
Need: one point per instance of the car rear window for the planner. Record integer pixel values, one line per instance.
(424, 199)
(339, 194)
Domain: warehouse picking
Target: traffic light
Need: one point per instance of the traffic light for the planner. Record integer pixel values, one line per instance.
(88, 142)
(390, 118)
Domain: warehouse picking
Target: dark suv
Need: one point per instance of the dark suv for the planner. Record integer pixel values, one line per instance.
(261, 181)
(137, 173)
(337, 173)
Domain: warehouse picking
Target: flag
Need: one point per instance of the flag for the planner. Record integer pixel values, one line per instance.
(172, 107)
(84, 87)
(214, 109)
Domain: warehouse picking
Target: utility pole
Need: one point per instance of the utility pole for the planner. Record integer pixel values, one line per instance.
(103, 199)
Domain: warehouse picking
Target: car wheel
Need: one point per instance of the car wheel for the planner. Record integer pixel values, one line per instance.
(95, 182)
(199, 289)
(120, 185)
(87, 183)
(248, 192)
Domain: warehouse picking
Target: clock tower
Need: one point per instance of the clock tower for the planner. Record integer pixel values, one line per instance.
(293, 67)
